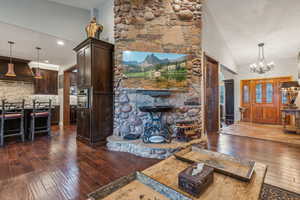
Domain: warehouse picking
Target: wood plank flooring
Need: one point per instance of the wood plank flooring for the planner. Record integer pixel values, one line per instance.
(63, 168)
(283, 160)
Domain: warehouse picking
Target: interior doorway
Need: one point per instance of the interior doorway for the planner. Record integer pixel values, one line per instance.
(211, 108)
(70, 90)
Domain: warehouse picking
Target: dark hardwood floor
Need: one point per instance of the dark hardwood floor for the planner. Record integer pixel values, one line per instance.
(60, 168)
(63, 168)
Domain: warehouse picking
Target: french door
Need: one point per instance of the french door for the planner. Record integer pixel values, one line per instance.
(261, 100)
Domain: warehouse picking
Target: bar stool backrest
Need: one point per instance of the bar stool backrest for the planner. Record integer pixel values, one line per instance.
(41, 106)
(12, 108)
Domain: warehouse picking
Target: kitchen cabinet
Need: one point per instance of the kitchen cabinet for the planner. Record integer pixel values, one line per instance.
(55, 115)
(22, 70)
(84, 69)
(73, 114)
(95, 74)
(84, 124)
(48, 84)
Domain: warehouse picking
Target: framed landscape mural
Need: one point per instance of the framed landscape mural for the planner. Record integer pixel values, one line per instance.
(155, 71)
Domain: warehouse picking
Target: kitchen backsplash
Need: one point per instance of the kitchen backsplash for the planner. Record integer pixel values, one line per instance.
(16, 90)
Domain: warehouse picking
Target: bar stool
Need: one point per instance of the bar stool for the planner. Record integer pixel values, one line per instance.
(11, 111)
(40, 110)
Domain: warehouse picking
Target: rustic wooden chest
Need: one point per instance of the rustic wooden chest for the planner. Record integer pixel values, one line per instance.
(196, 179)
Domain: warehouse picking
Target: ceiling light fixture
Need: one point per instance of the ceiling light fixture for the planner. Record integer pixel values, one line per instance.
(61, 43)
(46, 61)
(261, 66)
(38, 71)
(10, 71)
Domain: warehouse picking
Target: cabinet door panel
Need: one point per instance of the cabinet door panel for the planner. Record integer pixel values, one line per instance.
(102, 69)
(87, 66)
(55, 115)
(48, 84)
(83, 123)
(81, 68)
(103, 118)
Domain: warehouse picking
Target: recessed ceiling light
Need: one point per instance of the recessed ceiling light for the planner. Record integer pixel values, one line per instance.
(61, 43)
(46, 61)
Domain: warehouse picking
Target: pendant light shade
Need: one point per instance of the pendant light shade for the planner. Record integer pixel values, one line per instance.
(37, 71)
(11, 70)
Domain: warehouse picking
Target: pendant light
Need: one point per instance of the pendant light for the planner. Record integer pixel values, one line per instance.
(10, 71)
(37, 71)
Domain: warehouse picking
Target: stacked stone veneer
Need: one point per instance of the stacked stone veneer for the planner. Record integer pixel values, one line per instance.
(170, 26)
(18, 90)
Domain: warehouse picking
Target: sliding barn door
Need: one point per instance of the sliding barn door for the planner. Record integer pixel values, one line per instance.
(262, 100)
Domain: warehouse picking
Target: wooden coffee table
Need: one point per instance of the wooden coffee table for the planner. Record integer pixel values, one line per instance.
(224, 187)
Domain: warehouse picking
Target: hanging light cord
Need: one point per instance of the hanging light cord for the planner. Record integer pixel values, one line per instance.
(10, 51)
(261, 52)
(38, 57)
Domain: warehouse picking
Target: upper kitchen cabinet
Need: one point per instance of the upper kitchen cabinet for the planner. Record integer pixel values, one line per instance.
(22, 70)
(48, 84)
(84, 71)
(94, 60)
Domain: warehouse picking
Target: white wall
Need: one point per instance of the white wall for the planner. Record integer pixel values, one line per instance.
(106, 18)
(283, 67)
(55, 19)
(214, 45)
(213, 42)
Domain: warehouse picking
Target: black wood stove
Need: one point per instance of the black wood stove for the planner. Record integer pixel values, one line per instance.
(156, 131)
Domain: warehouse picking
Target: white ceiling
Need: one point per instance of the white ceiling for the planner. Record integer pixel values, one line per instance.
(26, 40)
(244, 24)
(85, 4)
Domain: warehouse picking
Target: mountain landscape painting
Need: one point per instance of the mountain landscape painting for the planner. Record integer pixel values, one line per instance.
(154, 71)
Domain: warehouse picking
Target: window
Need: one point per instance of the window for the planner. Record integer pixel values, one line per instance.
(269, 95)
(258, 93)
(246, 94)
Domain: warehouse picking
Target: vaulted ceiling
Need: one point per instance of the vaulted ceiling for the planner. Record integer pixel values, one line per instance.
(244, 24)
(26, 40)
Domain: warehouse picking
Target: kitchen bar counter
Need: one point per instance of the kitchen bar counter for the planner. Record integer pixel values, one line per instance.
(27, 111)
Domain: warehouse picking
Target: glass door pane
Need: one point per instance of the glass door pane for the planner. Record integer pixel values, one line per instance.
(269, 93)
(246, 95)
(258, 93)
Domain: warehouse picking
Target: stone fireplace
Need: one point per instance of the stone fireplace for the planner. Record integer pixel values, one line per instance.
(170, 26)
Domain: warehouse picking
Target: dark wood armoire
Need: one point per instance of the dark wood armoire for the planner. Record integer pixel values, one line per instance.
(229, 101)
(95, 91)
